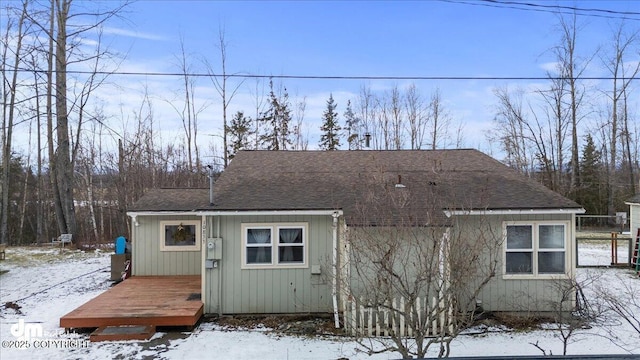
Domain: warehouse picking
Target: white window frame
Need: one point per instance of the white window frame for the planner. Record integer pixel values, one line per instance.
(198, 234)
(275, 231)
(535, 225)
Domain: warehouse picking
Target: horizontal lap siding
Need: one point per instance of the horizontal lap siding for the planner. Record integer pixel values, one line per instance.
(148, 260)
(270, 291)
(524, 295)
(635, 220)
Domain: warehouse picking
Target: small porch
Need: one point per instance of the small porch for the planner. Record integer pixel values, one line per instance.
(142, 300)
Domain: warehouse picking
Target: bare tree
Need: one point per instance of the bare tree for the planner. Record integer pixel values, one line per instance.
(404, 269)
(220, 83)
(258, 93)
(9, 93)
(615, 306)
(300, 138)
(440, 121)
(510, 129)
(189, 112)
(622, 74)
(396, 110)
(625, 303)
(87, 168)
(382, 129)
(571, 69)
(65, 31)
(417, 117)
(571, 311)
(40, 182)
(527, 140)
(365, 112)
(558, 125)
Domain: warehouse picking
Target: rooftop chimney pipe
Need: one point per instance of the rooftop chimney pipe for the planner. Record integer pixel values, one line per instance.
(210, 184)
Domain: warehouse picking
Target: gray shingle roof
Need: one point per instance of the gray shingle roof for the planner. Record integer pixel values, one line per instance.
(172, 200)
(317, 180)
(635, 199)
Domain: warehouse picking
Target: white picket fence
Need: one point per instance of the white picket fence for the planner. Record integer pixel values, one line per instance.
(395, 317)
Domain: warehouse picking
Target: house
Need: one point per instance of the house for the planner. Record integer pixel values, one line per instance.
(272, 235)
(634, 215)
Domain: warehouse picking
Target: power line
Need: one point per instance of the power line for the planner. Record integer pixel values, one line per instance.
(321, 77)
(564, 7)
(555, 9)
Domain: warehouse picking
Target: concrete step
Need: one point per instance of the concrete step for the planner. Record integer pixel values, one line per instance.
(123, 332)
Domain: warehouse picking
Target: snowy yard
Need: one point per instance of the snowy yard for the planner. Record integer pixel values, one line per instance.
(45, 285)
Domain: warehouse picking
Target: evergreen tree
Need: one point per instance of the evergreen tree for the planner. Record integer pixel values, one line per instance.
(276, 118)
(239, 132)
(330, 139)
(351, 127)
(592, 194)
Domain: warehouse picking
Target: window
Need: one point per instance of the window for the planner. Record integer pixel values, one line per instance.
(180, 235)
(535, 248)
(259, 246)
(274, 245)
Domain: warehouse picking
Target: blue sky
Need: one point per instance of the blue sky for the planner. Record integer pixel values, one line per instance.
(401, 38)
(467, 38)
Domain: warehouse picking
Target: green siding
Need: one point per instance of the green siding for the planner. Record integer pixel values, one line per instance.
(509, 293)
(229, 289)
(268, 291)
(634, 219)
(526, 295)
(148, 260)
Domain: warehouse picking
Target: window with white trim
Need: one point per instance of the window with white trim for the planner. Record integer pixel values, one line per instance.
(274, 245)
(535, 248)
(180, 235)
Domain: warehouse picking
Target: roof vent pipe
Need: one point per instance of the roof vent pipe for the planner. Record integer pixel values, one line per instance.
(210, 184)
(367, 140)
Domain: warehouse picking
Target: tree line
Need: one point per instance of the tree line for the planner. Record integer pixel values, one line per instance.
(576, 136)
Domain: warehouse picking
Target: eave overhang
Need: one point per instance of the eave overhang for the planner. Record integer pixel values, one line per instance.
(450, 213)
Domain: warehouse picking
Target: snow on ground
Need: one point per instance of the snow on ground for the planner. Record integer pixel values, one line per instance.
(598, 253)
(47, 284)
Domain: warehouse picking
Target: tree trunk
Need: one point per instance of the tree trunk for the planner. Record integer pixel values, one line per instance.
(613, 151)
(64, 166)
(51, 143)
(8, 133)
(627, 140)
(122, 182)
(39, 178)
(90, 202)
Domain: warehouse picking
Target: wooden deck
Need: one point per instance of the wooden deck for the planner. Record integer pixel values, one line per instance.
(142, 300)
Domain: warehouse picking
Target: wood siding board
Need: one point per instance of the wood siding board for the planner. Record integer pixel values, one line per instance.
(300, 301)
(271, 290)
(244, 295)
(634, 220)
(234, 286)
(269, 284)
(522, 294)
(300, 291)
(262, 290)
(150, 261)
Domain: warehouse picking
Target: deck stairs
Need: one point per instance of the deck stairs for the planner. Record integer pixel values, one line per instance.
(123, 332)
